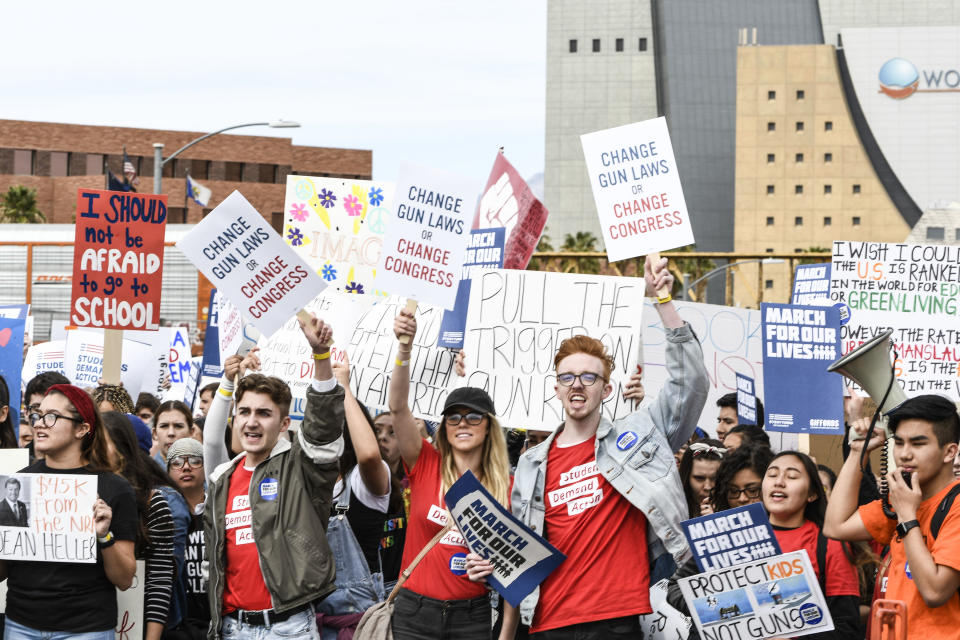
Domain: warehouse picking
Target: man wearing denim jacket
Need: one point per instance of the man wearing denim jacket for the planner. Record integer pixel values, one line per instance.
(610, 497)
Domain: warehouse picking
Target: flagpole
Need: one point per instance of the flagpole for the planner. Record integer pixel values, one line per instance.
(186, 196)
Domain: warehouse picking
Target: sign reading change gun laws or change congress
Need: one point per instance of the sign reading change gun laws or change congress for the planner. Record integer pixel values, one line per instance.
(637, 189)
(250, 264)
(731, 537)
(118, 260)
(521, 559)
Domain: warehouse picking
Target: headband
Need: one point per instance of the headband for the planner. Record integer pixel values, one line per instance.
(81, 401)
(702, 447)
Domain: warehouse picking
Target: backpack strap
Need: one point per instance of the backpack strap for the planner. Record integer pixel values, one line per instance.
(942, 510)
(822, 561)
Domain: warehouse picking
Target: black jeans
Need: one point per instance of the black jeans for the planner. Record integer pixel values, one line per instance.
(626, 628)
(417, 617)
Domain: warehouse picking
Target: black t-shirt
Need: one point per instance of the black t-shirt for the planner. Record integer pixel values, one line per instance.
(198, 604)
(62, 596)
(380, 536)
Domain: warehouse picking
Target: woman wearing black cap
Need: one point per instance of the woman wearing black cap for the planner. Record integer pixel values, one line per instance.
(439, 600)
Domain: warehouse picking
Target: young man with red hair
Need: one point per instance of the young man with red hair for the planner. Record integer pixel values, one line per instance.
(607, 494)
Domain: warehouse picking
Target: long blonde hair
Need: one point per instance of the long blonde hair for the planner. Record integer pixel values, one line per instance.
(494, 472)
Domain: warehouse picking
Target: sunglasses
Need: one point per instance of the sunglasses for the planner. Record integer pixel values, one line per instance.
(472, 419)
(193, 461)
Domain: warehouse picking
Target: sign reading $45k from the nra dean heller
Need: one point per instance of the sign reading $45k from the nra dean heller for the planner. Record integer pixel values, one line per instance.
(637, 189)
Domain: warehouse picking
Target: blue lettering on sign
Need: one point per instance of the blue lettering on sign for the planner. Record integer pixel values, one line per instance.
(269, 487)
(811, 614)
(626, 440)
(458, 564)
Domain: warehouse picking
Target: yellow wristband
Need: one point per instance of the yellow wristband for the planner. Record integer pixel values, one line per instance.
(225, 393)
(402, 363)
(321, 356)
(664, 300)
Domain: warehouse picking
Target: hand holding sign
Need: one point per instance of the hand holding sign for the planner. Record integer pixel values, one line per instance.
(102, 516)
(658, 278)
(405, 326)
(237, 365)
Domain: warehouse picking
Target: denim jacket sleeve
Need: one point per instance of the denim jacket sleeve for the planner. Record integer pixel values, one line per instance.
(677, 407)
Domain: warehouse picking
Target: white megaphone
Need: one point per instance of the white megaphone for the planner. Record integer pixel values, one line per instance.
(869, 366)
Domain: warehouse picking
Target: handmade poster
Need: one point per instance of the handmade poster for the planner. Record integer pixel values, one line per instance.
(249, 263)
(179, 369)
(637, 189)
(485, 251)
(157, 344)
(190, 390)
(665, 623)
(731, 537)
(798, 344)
(426, 237)
(11, 461)
(52, 520)
(83, 361)
(337, 226)
(11, 363)
(772, 597)
(508, 203)
(913, 289)
(130, 607)
(44, 356)
(118, 260)
(516, 322)
(746, 400)
(811, 285)
(229, 328)
(521, 559)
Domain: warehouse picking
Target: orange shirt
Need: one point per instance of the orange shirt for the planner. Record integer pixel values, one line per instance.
(922, 621)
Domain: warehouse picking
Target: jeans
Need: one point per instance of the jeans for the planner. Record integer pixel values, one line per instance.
(17, 631)
(417, 617)
(300, 625)
(626, 628)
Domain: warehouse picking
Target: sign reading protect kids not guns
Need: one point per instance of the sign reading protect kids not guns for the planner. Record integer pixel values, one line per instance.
(637, 189)
(118, 260)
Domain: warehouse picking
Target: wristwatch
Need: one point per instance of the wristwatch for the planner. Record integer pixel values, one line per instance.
(904, 527)
(106, 541)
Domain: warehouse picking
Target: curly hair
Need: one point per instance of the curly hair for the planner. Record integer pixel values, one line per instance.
(115, 395)
(749, 456)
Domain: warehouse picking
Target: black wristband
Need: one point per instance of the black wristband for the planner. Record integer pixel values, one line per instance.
(904, 528)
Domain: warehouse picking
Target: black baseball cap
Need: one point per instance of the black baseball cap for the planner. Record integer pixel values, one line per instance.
(471, 398)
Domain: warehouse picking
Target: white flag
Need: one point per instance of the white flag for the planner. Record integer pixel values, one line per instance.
(197, 192)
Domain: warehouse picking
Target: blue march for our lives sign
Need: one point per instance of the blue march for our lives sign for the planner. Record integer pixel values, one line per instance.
(521, 559)
(798, 343)
(811, 285)
(731, 537)
(485, 251)
(746, 400)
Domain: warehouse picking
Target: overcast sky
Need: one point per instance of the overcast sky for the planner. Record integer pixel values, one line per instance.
(438, 83)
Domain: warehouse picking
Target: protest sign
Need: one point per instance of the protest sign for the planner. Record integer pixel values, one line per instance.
(229, 328)
(118, 260)
(83, 361)
(516, 322)
(53, 519)
(665, 623)
(768, 598)
(798, 344)
(337, 226)
(11, 363)
(811, 285)
(178, 369)
(731, 537)
(45, 356)
(508, 203)
(11, 461)
(426, 237)
(249, 263)
(193, 381)
(521, 559)
(20, 311)
(130, 607)
(913, 289)
(485, 251)
(211, 338)
(637, 189)
(746, 400)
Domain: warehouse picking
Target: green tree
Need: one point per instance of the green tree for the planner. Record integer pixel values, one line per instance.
(19, 205)
(814, 250)
(583, 241)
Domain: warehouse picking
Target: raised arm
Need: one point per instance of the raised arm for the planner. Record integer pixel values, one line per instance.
(214, 451)
(321, 434)
(843, 521)
(374, 473)
(404, 426)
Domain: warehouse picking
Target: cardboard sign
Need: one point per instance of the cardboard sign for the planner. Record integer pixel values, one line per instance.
(130, 607)
(731, 537)
(665, 623)
(11, 363)
(52, 520)
(521, 559)
(769, 598)
(426, 237)
(247, 261)
(811, 285)
(746, 400)
(337, 226)
(45, 356)
(516, 322)
(508, 203)
(637, 189)
(485, 251)
(118, 260)
(798, 344)
(914, 289)
(211, 338)
(83, 362)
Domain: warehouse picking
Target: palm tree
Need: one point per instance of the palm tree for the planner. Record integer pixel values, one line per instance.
(19, 205)
(582, 241)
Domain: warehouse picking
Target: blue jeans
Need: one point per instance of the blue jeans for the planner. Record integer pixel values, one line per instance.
(300, 625)
(16, 631)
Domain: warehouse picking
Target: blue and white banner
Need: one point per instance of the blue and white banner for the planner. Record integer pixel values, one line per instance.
(746, 400)
(485, 251)
(811, 285)
(521, 559)
(211, 339)
(798, 343)
(731, 537)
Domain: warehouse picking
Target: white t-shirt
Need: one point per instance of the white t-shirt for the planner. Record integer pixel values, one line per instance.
(368, 499)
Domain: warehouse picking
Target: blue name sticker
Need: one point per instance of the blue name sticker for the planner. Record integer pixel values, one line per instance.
(811, 613)
(626, 440)
(269, 488)
(458, 564)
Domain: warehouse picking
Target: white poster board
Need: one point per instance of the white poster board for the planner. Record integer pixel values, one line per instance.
(83, 362)
(130, 624)
(45, 356)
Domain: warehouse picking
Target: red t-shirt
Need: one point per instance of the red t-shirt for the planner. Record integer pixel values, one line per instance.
(841, 575)
(442, 574)
(244, 588)
(606, 573)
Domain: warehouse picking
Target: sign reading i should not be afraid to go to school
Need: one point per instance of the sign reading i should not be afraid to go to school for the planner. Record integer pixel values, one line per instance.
(118, 260)
(637, 189)
(248, 262)
(426, 239)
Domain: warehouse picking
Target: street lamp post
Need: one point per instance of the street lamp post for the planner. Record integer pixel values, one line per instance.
(159, 160)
